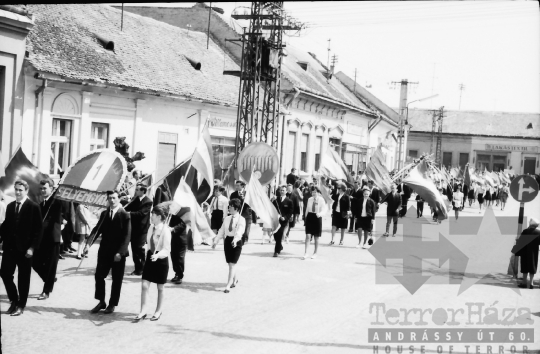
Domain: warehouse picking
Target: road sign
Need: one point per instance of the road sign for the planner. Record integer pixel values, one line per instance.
(524, 188)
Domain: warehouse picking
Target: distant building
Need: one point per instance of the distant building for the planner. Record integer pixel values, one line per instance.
(486, 140)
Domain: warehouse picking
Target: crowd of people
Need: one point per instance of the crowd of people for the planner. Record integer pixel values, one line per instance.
(36, 236)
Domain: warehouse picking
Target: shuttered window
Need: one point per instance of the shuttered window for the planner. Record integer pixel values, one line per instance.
(166, 157)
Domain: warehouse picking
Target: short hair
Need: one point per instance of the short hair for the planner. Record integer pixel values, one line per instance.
(112, 192)
(222, 189)
(142, 187)
(46, 180)
(235, 203)
(161, 211)
(283, 186)
(240, 183)
(316, 189)
(21, 182)
(342, 186)
(297, 184)
(293, 169)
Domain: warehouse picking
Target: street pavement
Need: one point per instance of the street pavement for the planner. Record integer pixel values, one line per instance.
(281, 305)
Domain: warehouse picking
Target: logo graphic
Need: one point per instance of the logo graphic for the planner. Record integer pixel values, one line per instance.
(474, 250)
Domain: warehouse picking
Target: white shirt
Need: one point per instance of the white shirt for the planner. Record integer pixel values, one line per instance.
(320, 208)
(2, 211)
(458, 199)
(20, 203)
(364, 208)
(222, 204)
(162, 240)
(114, 210)
(338, 209)
(238, 227)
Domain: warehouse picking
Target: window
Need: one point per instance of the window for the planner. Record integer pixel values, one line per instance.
(223, 149)
(447, 159)
(413, 153)
(60, 146)
(100, 136)
(463, 159)
(303, 152)
(166, 156)
(318, 148)
(290, 159)
(2, 94)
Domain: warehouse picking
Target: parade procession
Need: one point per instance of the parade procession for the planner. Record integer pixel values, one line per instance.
(205, 178)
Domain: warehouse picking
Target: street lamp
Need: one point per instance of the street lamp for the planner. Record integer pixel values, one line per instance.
(402, 133)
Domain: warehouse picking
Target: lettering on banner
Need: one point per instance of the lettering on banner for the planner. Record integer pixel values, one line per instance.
(79, 195)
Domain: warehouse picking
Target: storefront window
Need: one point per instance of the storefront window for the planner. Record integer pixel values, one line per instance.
(447, 159)
(223, 149)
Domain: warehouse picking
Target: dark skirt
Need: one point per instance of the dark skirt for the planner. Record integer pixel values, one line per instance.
(216, 220)
(313, 225)
(364, 223)
(481, 198)
(471, 194)
(156, 272)
(338, 221)
(232, 254)
(488, 195)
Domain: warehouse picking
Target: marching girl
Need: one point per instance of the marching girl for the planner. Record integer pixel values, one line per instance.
(458, 200)
(316, 208)
(488, 194)
(218, 209)
(471, 194)
(480, 190)
(504, 195)
(495, 196)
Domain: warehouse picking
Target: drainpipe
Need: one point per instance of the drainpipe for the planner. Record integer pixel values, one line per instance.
(287, 105)
(37, 121)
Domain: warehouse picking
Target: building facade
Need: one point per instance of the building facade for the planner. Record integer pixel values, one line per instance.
(486, 140)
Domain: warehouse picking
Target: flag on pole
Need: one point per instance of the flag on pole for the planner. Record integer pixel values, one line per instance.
(495, 178)
(202, 191)
(257, 199)
(21, 168)
(424, 187)
(228, 179)
(194, 218)
(467, 178)
(377, 172)
(203, 159)
(325, 194)
(333, 166)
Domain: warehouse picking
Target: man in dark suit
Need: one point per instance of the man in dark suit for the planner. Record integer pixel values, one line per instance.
(139, 212)
(114, 227)
(393, 200)
(240, 194)
(21, 235)
(356, 196)
(284, 208)
(340, 212)
(54, 212)
(405, 193)
(178, 247)
(292, 177)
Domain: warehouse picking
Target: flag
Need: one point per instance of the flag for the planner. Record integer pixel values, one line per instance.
(21, 168)
(194, 217)
(332, 166)
(228, 179)
(202, 191)
(424, 187)
(467, 178)
(257, 199)
(454, 172)
(203, 159)
(2, 166)
(325, 194)
(495, 178)
(377, 172)
(488, 179)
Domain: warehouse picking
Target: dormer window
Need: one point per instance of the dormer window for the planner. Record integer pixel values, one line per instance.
(303, 65)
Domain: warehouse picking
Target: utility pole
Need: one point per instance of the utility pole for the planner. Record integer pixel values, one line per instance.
(461, 88)
(402, 105)
(354, 81)
(328, 59)
(433, 127)
(433, 82)
(438, 152)
(334, 62)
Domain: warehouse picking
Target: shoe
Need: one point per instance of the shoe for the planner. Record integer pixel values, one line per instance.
(55, 279)
(72, 249)
(331, 243)
(12, 308)
(275, 254)
(18, 312)
(99, 307)
(341, 243)
(174, 279)
(226, 291)
(155, 318)
(43, 296)
(314, 256)
(134, 273)
(364, 247)
(234, 285)
(386, 234)
(78, 257)
(178, 281)
(109, 309)
(305, 256)
(523, 286)
(137, 319)
(394, 235)
(357, 246)
(418, 216)
(61, 257)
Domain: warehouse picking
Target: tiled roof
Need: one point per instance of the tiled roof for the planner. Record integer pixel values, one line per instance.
(503, 124)
(313, 80)
(148, 54)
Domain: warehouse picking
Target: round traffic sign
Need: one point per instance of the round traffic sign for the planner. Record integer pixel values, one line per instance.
(524, 188)
(262, 158)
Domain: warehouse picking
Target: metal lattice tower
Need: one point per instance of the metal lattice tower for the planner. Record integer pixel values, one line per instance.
(438, 154)
(433, 127)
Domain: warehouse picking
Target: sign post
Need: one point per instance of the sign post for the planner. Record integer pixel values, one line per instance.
(523, 189)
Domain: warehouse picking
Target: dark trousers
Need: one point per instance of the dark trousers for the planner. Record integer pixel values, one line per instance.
(12, 259)
(390, 219)
(419, 209)
(45, 263)
(403, 210)
(67, 236)
(104, 266)
(178, 254)
(278, 236)
(245, 236)
(138, 255)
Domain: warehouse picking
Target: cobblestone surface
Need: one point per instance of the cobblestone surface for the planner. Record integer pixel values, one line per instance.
(283, 305)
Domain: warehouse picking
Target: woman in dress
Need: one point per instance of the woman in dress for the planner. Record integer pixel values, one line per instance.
(487, 195)
(504, 195)
(300, 197)
(315, 209)
(480, 190)
(526, 248)
(82, 227)
(231, 231)
(306, 194)
(156, 268)
(495, 195)
(457, 200)
(218, 208)
(471, 194)
(365, 214)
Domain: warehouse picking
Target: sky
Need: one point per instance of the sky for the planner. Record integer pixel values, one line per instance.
(492, 48)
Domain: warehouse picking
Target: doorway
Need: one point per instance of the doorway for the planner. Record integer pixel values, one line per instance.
(529, 165)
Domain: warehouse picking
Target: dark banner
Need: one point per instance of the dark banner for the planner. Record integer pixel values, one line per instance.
(21, 168)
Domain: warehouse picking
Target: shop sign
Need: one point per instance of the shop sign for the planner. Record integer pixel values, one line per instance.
(355, 129)
(221, 122)
(502, 147)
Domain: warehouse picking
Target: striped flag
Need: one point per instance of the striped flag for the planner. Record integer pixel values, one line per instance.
(203, 159)
(333, 166)
(257, 199)
(377, 172)
(419, 181)
(325, 194)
